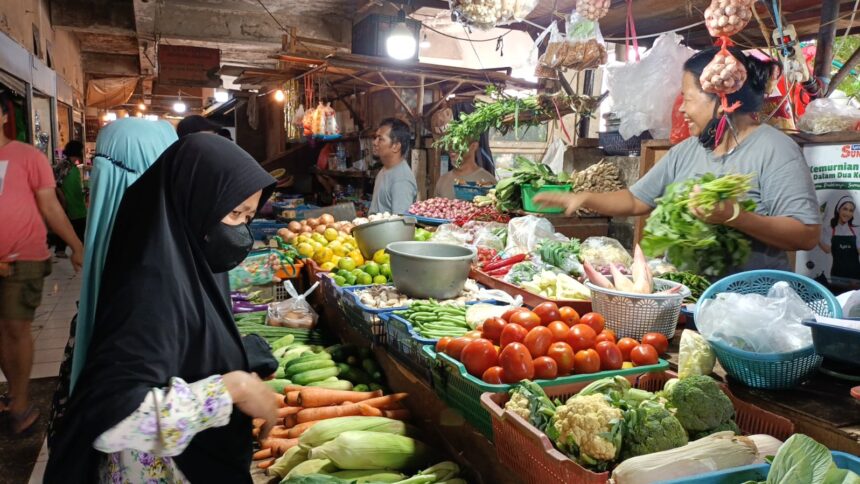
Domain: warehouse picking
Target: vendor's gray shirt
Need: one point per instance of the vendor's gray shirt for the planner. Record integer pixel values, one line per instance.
(394, 190)
(782, 185)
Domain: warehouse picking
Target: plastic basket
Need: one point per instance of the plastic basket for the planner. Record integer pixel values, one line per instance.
(771, 370)
(264, 229)
(462, 391)
(365, 320)
(529, 298)
(633, 315)
(758, 472)
(406, 345)
(529, 192)
(835, 342)
(469, 192)
(530, 454)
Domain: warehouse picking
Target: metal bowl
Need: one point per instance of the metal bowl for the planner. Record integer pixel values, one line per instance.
(426, 270)
(373, 236)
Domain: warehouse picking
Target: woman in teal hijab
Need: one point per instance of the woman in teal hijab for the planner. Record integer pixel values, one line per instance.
(124, 150)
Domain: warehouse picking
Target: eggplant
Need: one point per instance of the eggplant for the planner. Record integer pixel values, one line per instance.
(248, 307)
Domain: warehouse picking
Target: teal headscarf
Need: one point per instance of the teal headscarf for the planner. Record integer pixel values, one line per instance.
(124, 150)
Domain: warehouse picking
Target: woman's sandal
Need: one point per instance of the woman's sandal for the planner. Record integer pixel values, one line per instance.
(23, 423)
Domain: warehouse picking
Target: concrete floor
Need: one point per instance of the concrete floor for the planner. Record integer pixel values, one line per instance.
(50, 333)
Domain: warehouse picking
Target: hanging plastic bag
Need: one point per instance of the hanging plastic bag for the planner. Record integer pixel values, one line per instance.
(829, 116)
(584, 42)
(308, 122)
(554, 156)
(330, 121)
(752, 322)
(695, 355)
(643, 92)
(295, 312)
(551, 58)
(680, 128)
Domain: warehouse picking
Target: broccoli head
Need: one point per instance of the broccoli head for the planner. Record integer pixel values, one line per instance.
(651, 428)
(700, 403)
(727, 425)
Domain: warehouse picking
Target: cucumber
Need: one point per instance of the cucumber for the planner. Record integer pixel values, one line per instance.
(280, 373)
(308, 357)
(311, 376)
(278, 384)
(304, 366)
(332, 385)
(361, 388)
(355, 375)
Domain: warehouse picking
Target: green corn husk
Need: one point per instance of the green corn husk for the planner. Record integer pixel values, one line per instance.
(354, 450)
(331, 428)
(312, 466)
(369, 475)
(288, 462)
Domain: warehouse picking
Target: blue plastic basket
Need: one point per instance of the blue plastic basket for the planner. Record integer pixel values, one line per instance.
(469, 191)
(771, 370)
(364, 319)
(406, 345)
(758, 472)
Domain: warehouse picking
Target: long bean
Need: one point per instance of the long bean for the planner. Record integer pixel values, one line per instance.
(433, 320)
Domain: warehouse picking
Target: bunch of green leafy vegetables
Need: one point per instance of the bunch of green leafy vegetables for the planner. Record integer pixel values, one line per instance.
(508, 194)
(564, 255)
(802, 459)
(690, 243)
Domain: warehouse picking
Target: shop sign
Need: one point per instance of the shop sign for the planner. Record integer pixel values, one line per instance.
(180, 65)
(835, 171)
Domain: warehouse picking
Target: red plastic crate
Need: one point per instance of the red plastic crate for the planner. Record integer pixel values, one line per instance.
(529, 299)
(530, 454)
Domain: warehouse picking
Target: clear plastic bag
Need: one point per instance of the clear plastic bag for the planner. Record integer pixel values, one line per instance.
(554, 156)
(295, 312)
(695, 356)
(452, 234)
(601, 252)
(643, 93)
(829, 116)
(752, 322)
(490, 235)
(581, 47)
(257, 269)
(525, 234)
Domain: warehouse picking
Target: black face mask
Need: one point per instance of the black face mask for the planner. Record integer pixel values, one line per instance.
(708, 136)
(225, 246)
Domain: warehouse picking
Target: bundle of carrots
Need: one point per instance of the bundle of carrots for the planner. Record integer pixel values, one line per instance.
(300, 408)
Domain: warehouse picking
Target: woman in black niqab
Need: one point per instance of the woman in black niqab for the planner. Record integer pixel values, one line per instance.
(163, 311)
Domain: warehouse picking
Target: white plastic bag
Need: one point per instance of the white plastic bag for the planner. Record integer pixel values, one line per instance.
(295, 312)
(452, 234)
(525, 234)
(829, 116)
(752, 322)
(490, 236)
(601, 252)
(850, 302)
(643, 93)
(554, 156)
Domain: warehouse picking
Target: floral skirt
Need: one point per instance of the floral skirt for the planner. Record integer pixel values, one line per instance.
(61, 396)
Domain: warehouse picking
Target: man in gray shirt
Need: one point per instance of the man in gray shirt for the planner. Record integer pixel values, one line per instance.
(394, 190)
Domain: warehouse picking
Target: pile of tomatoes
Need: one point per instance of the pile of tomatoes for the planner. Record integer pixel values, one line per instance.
(547, 342)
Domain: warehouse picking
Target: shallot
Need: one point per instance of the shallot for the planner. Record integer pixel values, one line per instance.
(727, 17)
(443, 208)
(592, 9)
(723, 75)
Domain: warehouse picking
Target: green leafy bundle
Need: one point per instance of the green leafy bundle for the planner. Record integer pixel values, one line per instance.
(508, 194)
(691, 244)
(564, 255)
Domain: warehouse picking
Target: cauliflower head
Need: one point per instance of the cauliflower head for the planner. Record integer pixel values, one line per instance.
(589, 429)
(519, 405)
(651, 428)
(700, 403)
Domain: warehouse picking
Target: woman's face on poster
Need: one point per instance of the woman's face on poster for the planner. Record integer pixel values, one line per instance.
(846, 212)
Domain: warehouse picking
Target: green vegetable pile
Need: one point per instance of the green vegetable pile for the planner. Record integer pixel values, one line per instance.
(802, 459)
(564, 255)
(691, 244)
(522, 272)
(508, 194)
(696, 283)
(338, 367)
(255, 323)
(433, 320)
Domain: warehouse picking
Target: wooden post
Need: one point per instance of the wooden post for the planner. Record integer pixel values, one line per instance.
(826, 36)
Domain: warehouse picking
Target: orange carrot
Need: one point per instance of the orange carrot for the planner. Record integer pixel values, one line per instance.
(292, 388)
(279, 432)
(299, 429)
(293, 398)
(369, 411)
(258, 422)
(263, 454)
(279, 400)
(290, 421)
(266, 464)
(324, 413)
(385, 402)
(287, 411)
(401, 414)
(312, 397)
(278, 446)
(255, 433)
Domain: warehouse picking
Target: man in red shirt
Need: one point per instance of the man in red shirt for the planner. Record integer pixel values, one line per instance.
(27, 200)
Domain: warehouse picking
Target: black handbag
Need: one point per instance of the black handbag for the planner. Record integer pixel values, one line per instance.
(260, 358)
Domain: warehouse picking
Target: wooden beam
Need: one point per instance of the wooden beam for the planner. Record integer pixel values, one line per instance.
(826, 36)
(396, 95)
(442, 99)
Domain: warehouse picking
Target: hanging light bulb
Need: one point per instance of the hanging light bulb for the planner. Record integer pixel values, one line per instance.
(401, 42)
(109, 116)
(280, 96)
(141, 106)
(221, 96)
(425, 42)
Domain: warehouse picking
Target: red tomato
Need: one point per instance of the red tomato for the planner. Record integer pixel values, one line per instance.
(526, 319)
(625, 345)
(493, 329)
(547, 312)
(559, 330)
(516, 363)
(511, 312)
(478, 356)
(513, 333)
(569, 316)
(605, 335)
(474, 334)
(594, 320)
(493, 375)
(644, 354)
(455, 347)
(563, 355)
(586, 361)
(658, 341)
(545, 368)
(442, 344)
(610, 356)
(581, 337)
(538, 341)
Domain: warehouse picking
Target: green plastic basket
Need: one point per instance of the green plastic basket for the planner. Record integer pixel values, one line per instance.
(462, 391)
(529, 192)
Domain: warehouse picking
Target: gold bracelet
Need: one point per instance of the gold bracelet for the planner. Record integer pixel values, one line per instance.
(736, 214)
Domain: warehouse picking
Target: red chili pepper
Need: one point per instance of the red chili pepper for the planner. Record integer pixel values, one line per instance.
(505, 262)
(500, 272)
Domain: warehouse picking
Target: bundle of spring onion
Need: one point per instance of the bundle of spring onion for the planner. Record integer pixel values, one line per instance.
(255, 323)
(434, 320)
(690, 243)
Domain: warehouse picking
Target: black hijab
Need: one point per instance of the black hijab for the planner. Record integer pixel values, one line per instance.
(162, 313)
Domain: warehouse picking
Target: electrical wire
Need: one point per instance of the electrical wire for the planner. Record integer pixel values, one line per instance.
(492, 39)
(639, 37)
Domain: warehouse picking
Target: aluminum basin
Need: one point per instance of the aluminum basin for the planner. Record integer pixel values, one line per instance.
(426, 270)
(373, 236)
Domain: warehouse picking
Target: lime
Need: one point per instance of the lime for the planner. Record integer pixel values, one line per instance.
(357, 272)
(339, 280)
(372, 268)
(342, 273)
(350, 279)
(380, 257)
(385, 270)
(364, 279)
(346, 263)
(380, 280)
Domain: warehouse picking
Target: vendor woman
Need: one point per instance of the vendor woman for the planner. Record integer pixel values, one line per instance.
(467, 170)
(786, 217)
